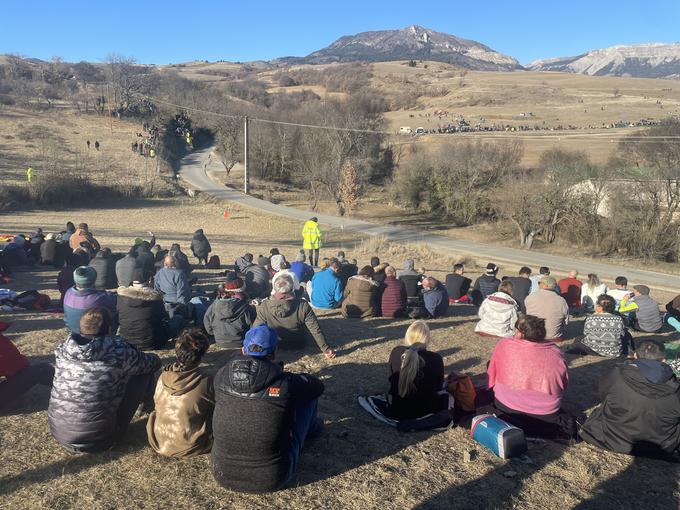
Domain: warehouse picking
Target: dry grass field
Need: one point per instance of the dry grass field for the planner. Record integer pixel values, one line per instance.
(357, 463)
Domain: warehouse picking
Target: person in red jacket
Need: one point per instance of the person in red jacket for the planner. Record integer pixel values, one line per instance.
(570, 289)
(393, 300)
(17, 375)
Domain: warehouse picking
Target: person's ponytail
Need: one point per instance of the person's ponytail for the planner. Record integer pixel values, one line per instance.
(411, 364)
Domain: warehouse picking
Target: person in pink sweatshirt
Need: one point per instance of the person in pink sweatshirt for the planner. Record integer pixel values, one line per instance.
(528, 376)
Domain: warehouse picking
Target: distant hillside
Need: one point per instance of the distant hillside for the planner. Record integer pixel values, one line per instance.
(413, 42)
(653, 60)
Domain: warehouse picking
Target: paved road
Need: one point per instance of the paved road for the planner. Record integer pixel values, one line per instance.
(193, 171)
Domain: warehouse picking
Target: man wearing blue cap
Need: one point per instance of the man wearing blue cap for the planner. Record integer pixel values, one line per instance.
(262, 417)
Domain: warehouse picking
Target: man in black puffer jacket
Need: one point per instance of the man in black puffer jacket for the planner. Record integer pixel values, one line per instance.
(485, 285)
(105, 265)
(640, 410)
(200, 246)
(262, 417)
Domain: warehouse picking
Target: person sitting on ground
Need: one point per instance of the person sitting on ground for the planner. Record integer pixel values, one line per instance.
(546, 304)
(416, 377)
(244, 262)
(126, 268)
(360, 298)
(158, 255)
(457, 285)
(230, 315)
(181, 259)
(521, 286)
(604, 334)
(83, 296)
(570, 289)
(412, 281)
(498, 313)
(173, 283)
(83, 235)
(146, 261)
(276, 259)
(35, 240)
(640, 409)
(672, 315)
(17, 373)
(528, 376)
(141, 315)
(65, 277)
(590, 291)
(15, 253)
(84, 253)
(263, 415)
(184, 400)
(409, 269)
(258, 279)
(303, 271)
(347, 269)
(620, 291)
(647, 317)
(327, 288)
(200, 247)
(99, 382)
(65, 236)
(435, 298)
(293, 318)
(535, 279)
(379, 270)
(393, 298)
(485, 285)
(48, 251)
(105, 266)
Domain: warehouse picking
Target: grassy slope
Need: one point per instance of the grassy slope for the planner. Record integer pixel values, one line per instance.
(357, 463)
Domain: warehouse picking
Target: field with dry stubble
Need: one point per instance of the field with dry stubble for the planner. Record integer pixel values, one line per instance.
(357, 462)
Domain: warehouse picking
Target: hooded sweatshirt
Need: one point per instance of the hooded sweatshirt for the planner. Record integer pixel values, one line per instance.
(228, 320)
(294, 321)
(640, 410)
(181, 423)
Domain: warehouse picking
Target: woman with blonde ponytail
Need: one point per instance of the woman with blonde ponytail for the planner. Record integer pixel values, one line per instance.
(417, 376)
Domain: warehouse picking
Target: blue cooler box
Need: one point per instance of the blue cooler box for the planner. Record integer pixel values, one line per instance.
(503, 439)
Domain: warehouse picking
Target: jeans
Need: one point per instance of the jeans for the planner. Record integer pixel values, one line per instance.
(21, 382)
(305, 420)
(672, 321)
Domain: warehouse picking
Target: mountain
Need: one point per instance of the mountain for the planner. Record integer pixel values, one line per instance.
(653, 60)
(412, 42)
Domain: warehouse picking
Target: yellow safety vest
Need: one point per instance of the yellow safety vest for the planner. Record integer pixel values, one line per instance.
(311, 236)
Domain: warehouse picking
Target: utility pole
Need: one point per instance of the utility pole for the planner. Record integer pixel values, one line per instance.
(246, 184)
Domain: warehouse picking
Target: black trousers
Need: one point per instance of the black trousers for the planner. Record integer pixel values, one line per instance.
(314, 256)
(556, 425)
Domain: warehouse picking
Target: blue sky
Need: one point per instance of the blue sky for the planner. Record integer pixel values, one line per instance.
(172, 31)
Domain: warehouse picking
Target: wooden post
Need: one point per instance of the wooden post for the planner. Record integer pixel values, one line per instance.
(246, 184)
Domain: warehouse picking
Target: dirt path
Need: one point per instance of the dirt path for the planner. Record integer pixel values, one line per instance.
(194, 172)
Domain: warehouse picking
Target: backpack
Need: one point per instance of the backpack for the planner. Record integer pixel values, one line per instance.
(32, 300)
(463, 391)
(213, 263)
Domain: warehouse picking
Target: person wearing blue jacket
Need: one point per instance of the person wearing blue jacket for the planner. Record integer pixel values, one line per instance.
(302, 270)
(327, 288)
(435, 297)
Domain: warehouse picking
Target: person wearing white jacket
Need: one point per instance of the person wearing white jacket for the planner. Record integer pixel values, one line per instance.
(590, 291)
(498, 313)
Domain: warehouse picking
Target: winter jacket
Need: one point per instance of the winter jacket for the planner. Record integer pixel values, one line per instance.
(146, 261)
(89, 383)
(48, 252)
(484, 286)
(173, 284)
(326, 289)
(200, 246)
(140, 317)
(393, 298)
(125, 270)
(346, 271)
(570, 290)
(457, 285)
(604, 333)
(255, 403)
(521, 288)
(258, 281)
(294, 321)
(360, 297)
(106, 271)
(228, 320)
(497, 315)
(379, 273)
(304, 272)
(83, 236)
(647, 316)
(181, 423)
(550, 306)
(311, 236)
(436, 301)
(241, 264)
(181, 260)
(78, 301)
(640, 410)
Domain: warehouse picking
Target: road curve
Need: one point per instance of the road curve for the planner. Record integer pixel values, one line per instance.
(194, 172)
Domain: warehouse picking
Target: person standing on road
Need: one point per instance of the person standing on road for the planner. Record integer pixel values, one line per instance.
(311, 240)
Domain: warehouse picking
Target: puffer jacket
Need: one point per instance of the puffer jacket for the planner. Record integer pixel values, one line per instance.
(294, 321)
(140, 317)
(89, 383)
(228, 320)
(200, 246)
(484, 286)
(106, 271)
(125, 270)
(360, 297)
(48, 252)
(258, 281)
(498, 315)
(393, 299)
(181, 423)
(78, 301)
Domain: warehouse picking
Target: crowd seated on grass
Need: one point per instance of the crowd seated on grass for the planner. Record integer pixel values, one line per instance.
(256, 417)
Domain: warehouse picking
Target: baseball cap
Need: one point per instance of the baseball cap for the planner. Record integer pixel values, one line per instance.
(262, 336)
